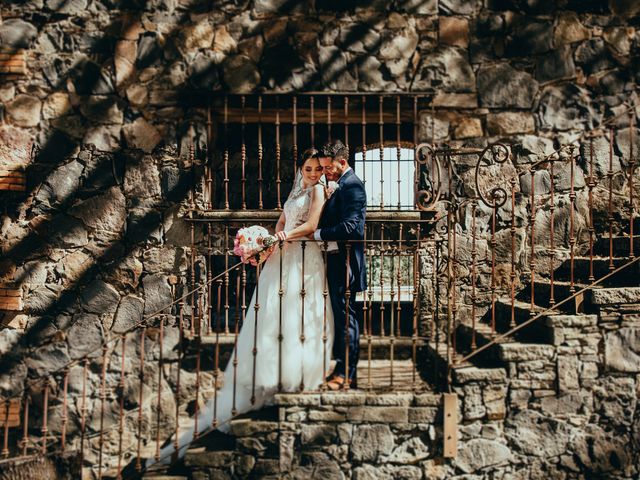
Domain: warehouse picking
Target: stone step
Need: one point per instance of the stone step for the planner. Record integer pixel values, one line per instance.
(602, 297)
(477, 369)
(581, 271)
(542, 294)
(380, 349)
(621, 245)
(521, 313)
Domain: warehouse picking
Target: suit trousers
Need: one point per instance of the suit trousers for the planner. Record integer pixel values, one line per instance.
(347, 331)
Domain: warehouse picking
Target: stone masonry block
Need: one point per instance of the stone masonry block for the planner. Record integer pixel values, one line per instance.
(378, 414)
(346, 399)
(422, 414)
(390, 399)
(326, 416)
(284, 399)
(519, 352)
(428, 400)
(568, 373)
(474, 374)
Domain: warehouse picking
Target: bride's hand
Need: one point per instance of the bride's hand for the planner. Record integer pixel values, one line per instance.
(281, 236)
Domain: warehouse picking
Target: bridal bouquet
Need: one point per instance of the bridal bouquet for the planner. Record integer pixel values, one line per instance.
(253, 244)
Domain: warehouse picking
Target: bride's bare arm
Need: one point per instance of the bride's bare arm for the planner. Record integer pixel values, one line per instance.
(281, 222)
(308, 227)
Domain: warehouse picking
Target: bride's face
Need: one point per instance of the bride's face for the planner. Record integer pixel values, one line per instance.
(311, 172)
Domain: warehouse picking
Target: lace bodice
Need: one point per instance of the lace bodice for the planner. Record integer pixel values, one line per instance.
(296, 208)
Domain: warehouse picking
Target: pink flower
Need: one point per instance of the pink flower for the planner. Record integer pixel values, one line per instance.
(250, 243)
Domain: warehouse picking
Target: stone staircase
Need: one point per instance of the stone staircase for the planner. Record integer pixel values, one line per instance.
(616, 291)
(541, 366)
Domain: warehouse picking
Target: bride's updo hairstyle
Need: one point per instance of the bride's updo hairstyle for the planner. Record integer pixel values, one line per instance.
(306, 155)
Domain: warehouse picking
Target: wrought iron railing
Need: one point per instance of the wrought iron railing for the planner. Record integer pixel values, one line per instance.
(550, 229)
(112, 405)
(424, 288)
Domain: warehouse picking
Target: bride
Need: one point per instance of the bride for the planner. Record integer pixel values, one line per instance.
(299, 363)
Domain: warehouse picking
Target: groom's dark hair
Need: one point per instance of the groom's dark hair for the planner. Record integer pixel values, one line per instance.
(336, 150)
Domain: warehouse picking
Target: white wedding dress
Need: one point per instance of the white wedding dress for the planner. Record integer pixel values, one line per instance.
(303, 364)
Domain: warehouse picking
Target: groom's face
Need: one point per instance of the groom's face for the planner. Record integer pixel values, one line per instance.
(332, 168)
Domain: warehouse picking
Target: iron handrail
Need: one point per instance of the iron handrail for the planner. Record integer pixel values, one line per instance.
(544, 313)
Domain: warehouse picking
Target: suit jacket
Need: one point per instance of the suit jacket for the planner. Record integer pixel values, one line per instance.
(343, 219)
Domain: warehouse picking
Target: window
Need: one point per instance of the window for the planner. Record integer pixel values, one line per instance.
(389, 181)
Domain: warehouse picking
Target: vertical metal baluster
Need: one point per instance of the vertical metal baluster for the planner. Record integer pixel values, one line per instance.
(346, 124)
(474, 265)
(209, 196)
(83, 411)
(329, 118)
(176, 436)
(610, 206)
(392, 304)
(196, 410)
(347, 296)
(449, 326)
(226, 280)
(632, 164)
(278, 180)
(226, 153)
(416, 308)
(370, 315)
(552, 251)
(365, 312)
(512, 273)
(494, 244)
(454, 281)
(243, 283)
(123, 339)
(572, 238)
(103, 399)
(364, 140)
(45, 410)
(256, 308)
(416, 168)
(312, 121)
(159, 387)
(399, 280)
(294, 124)
(143, 334)
(532, 261)
(5, 440)
(591, 185)
(325, 295)
(382, 257)
(192, 260)
(398, 146)
(243, 153)
(437, 329)
(280, 298)
(260, 152)
(303, 294)
(216, 354)
(65, 409)
(209, 277)
(25, 430)
(381, 134)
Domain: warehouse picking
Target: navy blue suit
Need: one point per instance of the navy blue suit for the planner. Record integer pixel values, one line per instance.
(343, 219)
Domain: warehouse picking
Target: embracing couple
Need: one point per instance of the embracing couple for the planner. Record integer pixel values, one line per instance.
(291, 330)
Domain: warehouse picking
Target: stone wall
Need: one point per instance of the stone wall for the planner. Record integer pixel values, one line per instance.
(563, 410)
(102, 121)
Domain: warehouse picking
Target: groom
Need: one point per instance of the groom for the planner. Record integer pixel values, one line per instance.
(342, 220)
